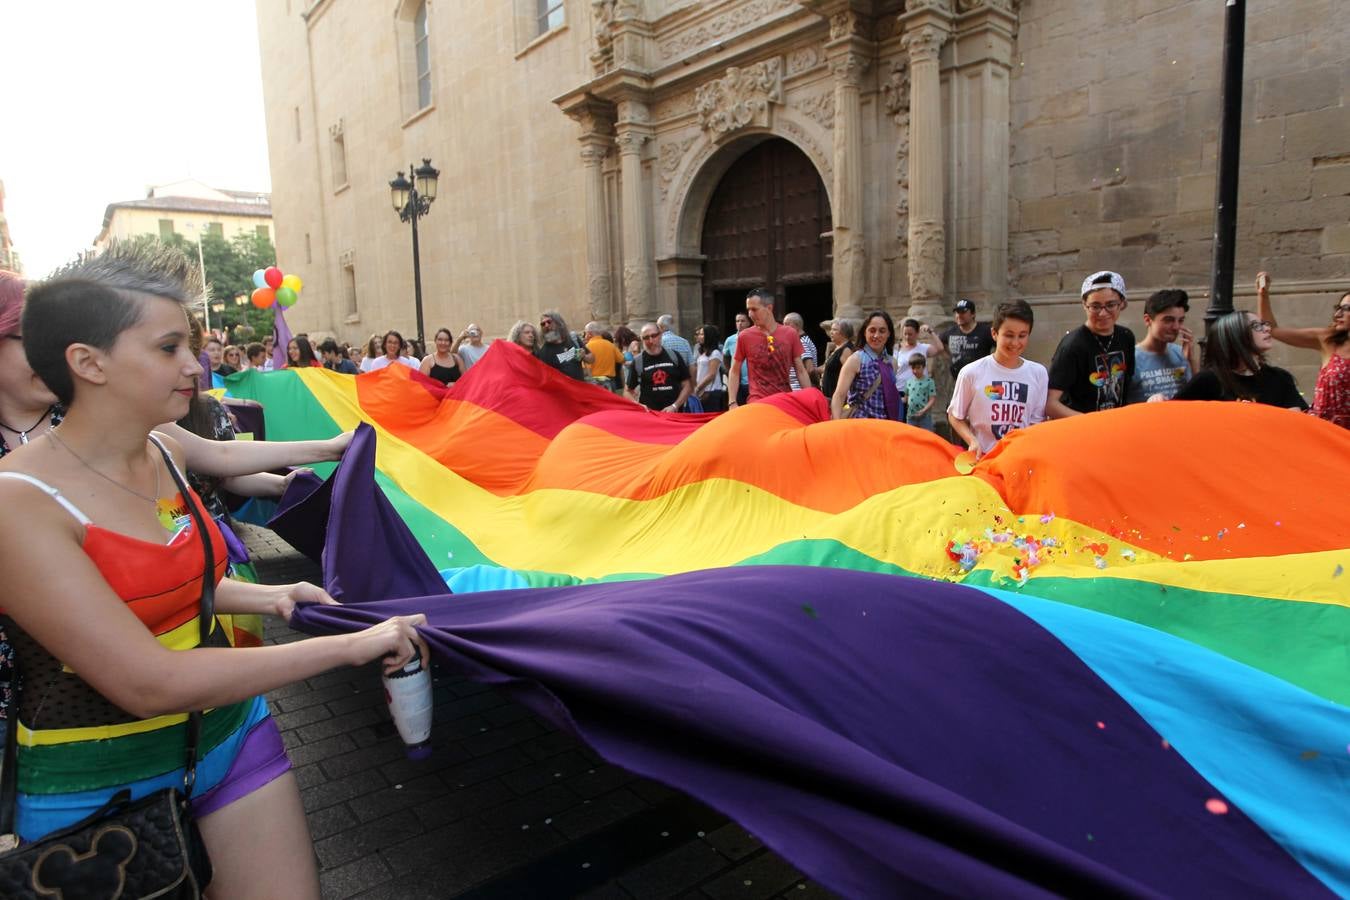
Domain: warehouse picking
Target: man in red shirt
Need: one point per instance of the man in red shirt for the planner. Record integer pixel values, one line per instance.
(769, 349)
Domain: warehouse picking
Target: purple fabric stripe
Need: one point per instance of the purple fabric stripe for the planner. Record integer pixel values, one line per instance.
(262, 758)
(890, 736)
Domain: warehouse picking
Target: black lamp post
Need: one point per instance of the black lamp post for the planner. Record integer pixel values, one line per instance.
(412, 195)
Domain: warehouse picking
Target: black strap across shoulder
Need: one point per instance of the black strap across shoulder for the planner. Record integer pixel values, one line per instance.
(9, 775)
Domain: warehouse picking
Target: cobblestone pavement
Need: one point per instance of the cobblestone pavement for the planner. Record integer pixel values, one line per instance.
(506, 807)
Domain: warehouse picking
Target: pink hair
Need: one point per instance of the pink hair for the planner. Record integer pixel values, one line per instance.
(11, 302)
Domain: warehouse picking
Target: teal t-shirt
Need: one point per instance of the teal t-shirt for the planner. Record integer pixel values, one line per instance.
(917, 393)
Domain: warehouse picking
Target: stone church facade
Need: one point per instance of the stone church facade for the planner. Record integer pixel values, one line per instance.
(617, 159)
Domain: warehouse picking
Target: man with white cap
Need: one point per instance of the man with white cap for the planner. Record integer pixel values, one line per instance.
(1093, 365)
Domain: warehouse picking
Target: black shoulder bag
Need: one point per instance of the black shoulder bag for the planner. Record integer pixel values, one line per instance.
(128, 849)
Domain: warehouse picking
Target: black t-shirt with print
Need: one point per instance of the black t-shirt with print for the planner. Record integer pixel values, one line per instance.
(1270, 385)
(658, 381)
(966, 348)
(563, 356)
(1093, 372)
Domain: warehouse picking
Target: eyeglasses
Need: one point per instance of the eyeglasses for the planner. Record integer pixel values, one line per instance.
(1260, 325)
(1341, 310)
(1098, 308)
(651, 337)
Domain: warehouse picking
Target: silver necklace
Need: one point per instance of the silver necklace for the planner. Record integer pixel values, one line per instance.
(1110, 342)
(130, 490)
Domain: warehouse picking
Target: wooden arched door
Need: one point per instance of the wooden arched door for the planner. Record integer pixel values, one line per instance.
(767, 226)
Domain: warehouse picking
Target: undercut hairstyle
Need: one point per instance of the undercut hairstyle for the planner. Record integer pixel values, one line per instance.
(95, 299)
(890, 327)
(1229, 346)
(1014, 309)
(1166, 299)
(11, 302)
(763, 295)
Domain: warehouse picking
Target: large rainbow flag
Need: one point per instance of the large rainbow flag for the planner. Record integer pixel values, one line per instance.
(1114, 659)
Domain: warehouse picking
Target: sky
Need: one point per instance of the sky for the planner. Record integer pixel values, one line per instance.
(139, 92)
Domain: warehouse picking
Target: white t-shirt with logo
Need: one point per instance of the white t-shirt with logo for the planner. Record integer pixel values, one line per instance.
(996, 400)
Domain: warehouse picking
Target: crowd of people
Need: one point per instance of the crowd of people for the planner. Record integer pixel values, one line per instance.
(104, 350)
(874, 370)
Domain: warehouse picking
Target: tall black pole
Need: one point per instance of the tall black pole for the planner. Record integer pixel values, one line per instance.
(1230, 136)
(415, 205)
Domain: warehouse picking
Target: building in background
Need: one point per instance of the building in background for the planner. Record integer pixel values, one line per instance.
(9, 257)
(617, 159)
(190, 209)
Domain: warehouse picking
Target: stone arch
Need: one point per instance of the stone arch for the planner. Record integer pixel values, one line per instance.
(707, 162)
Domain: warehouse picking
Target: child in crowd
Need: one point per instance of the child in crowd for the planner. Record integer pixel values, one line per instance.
(920, 393)
(1168, 355)
(1003, 392)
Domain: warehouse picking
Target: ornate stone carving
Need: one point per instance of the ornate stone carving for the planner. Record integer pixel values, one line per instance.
(673, 106)
(802, 59)
(598, 288)
(593, 154)
(846, 24)
(895, 97)
(965, 6)
(943, 6)
(636, 291)
(335, 130)
(722, 26)
(819, 108)
(849, 68)
(924, 42)
(807, 141)
(927, 257)
(630, 141)
(671, 154)
(740, 98)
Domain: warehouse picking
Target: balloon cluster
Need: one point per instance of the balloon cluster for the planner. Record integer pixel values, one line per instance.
(271, 286)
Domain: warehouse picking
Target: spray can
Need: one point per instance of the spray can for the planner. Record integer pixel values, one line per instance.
(408, 692)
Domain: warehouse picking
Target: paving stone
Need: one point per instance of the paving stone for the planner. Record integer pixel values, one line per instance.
(598, 813)
(506, 714)
(531, 810)
(311, 697)
(354, 843)
(335, 725)
(601, 779)
(550, 744)
(352, 878)
(398, 796)
(733, 841)
(531, 778)
(303, 753)
(330, 820)
(309, 776)
(495, 739)
(759, 878)
(807, 890)
(463, 802)
(673, 873)
(363, 758)
(340, 789)
(307, 716)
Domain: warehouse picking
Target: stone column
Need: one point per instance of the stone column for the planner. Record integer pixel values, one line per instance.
(927, 241)
(601, 295)
(849, 56)
(639, 268)
(596, 119)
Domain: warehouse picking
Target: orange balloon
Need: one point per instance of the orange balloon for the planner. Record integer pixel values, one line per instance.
(264, 297)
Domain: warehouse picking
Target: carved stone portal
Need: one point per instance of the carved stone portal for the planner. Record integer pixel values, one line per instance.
(740, 99)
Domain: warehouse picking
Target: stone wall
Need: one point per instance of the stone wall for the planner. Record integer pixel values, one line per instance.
(505, 237)
(1114, 130)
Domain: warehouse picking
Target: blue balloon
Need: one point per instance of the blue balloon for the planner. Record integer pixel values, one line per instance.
(259, 279)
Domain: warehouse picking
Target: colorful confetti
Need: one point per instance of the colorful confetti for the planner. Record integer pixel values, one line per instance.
(1216, 806)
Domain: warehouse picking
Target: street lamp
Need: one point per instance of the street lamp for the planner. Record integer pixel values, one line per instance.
(412, 196)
